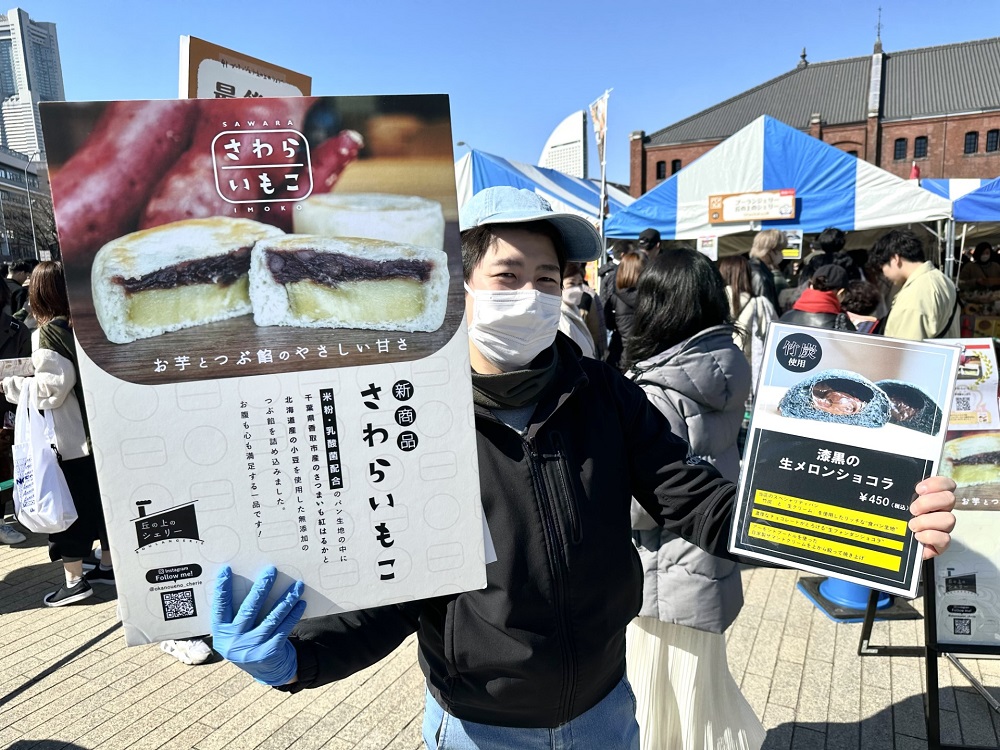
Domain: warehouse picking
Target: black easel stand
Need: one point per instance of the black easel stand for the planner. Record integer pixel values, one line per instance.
(931, 652)
(932, 702)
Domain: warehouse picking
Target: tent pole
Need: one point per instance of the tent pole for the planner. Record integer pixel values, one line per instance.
(604, 162)
(949, 249)
(961, 252)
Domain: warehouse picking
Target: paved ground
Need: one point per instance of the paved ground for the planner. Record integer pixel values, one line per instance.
(67, 681)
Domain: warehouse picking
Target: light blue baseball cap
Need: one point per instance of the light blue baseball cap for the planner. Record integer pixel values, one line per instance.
(510, 205)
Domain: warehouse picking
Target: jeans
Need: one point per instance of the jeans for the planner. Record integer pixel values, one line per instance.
(610, 725)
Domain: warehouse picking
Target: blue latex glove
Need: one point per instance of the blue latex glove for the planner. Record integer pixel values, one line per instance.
(262, 651)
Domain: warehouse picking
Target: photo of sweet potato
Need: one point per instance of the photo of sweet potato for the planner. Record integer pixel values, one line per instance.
(179, 262)
(100, 192)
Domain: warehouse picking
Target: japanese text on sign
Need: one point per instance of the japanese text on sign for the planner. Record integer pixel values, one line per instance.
(760, 206)
(262, 166)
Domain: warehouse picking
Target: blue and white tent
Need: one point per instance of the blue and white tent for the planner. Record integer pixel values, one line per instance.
(953, 188)
(982, 205)
(832, 188)
(478, 170)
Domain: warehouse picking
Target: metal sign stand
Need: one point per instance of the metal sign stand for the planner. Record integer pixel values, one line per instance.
(931, 652)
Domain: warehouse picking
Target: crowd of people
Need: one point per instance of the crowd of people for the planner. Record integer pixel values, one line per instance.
(609, 438)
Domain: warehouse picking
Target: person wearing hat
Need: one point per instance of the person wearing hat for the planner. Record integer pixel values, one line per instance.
(649, 243)
(536, 659)
(819, 305)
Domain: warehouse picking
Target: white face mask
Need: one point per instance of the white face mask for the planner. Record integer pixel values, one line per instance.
(510, 327)
(573, 295)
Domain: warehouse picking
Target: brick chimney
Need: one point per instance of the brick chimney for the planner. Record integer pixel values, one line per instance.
(637, 163)
(816, 126)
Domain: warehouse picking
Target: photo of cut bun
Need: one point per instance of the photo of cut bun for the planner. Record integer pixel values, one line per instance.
(911, 407)
(408, 219)
(838, 396)
(174, 276)
(327, 282)
(973, 461)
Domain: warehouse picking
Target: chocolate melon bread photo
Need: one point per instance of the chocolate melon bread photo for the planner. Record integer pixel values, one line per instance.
(838, 396)
(348, 282)
(177, 275)
(911, 407)
(973, 461)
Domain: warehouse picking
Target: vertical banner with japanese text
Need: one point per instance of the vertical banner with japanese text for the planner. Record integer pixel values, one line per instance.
(267, 299)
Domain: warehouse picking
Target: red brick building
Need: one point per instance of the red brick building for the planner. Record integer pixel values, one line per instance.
(936, 106)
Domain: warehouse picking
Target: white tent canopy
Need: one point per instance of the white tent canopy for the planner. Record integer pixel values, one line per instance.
(832, 188)
(478, 170)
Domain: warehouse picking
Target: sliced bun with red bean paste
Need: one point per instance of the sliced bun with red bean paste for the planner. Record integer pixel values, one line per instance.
(177, 275)
(348, 282)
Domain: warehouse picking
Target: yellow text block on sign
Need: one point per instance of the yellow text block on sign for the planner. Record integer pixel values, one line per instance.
(867, 521)
(825, 547)
(825, 528)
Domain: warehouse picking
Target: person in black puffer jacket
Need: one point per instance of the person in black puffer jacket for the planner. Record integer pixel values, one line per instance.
(15, 343)
(606, 273)
(620, 309)
(819, 305)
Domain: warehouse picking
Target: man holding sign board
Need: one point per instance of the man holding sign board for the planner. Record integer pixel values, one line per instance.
(565, 443)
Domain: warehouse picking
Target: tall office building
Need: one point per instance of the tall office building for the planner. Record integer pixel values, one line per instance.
(30, 73)
(566, 148)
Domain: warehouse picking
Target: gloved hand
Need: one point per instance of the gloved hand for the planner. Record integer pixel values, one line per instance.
(263, 651)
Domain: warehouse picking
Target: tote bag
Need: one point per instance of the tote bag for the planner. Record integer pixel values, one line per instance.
(42, 501)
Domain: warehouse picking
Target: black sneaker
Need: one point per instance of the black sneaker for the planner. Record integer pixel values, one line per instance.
(99, 575)
(91, 562)
(67, 595)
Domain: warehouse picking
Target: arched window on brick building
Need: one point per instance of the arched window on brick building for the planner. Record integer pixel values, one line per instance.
(920, 147)
(971, 142)
(899, 149)
(661, 170)
(675, 166)
(993, 140)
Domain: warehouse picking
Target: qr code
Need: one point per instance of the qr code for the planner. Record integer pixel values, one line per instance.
(963, 626)
(963, 403)
(178, 604)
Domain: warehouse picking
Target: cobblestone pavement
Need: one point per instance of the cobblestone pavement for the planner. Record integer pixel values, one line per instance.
(67, 681)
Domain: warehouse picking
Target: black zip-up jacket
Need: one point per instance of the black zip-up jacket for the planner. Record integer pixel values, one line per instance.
(836, 321)
(545, 640)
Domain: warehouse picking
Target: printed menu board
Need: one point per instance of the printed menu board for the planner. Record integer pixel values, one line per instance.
(967, 574)
(275, 368)
(843, 429)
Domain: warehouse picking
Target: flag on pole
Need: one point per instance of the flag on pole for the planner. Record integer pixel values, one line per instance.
(599, 114)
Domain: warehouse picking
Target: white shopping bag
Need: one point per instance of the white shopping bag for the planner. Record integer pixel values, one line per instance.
(42, 501)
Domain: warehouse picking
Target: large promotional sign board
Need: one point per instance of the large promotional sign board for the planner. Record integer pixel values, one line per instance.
(208, 71)
(844, 427)
(967, 575)
(275, 370)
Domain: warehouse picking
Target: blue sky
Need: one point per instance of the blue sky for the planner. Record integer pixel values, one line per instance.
(514, 69)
